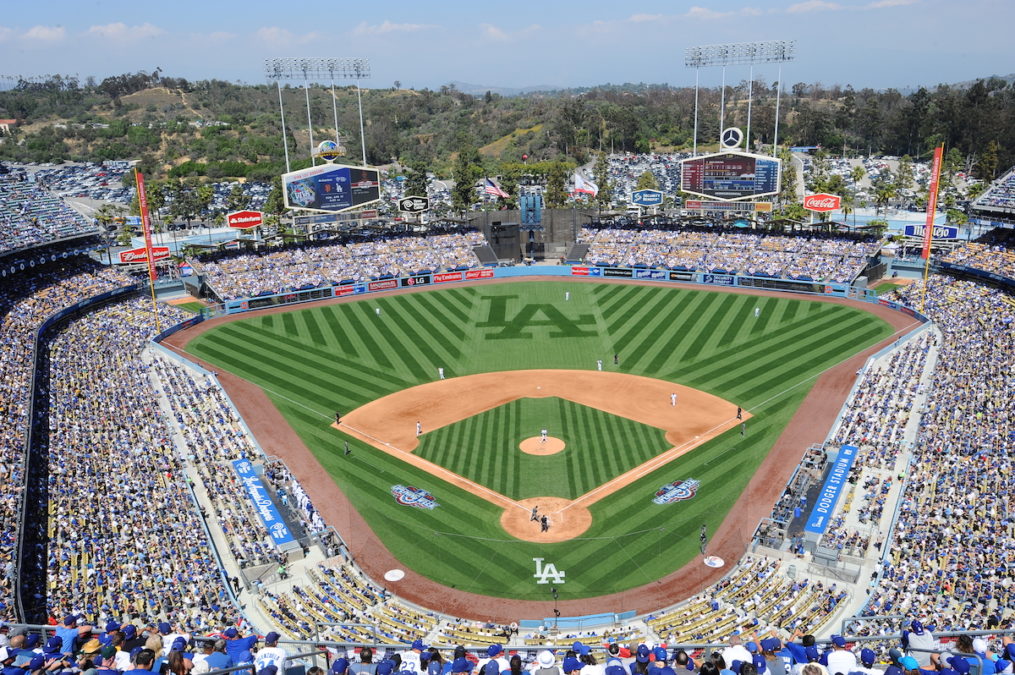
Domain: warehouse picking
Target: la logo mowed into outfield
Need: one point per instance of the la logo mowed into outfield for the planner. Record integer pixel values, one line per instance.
(319, 359)
(531, 316)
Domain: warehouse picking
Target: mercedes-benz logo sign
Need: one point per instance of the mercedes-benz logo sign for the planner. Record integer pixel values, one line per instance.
(731, 137)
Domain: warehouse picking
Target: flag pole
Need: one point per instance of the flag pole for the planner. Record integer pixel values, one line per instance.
(928, 228)
(146, 227)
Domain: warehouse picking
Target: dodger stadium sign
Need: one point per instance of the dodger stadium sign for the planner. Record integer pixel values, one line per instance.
(677, 491)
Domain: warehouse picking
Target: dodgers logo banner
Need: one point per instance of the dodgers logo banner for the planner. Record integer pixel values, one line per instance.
(835, 482)
(677, 491)
(265, 508)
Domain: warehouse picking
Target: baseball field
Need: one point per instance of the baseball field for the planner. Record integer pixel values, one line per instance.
(439, 500)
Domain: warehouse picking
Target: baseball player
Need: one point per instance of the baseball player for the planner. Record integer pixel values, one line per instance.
(567, 295)
(535, 513)
(757, 312)
(542, 436)
(599, 364)
(740, 413)
(673, 399)
(377, 311)
(419, 428)
(440, 373)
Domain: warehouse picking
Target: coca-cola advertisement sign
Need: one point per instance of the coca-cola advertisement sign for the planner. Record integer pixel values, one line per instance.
(138, 255)
(822, 202)
(244, 219)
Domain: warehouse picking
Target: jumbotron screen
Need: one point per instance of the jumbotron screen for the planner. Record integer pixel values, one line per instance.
(730, 176)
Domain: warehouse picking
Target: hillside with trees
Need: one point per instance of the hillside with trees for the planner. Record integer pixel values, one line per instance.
(211, 130)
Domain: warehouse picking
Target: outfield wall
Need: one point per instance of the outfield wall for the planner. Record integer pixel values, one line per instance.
(716, 279)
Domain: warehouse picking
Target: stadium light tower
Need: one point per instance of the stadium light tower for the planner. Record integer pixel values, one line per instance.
(316, 70)
(739, 54)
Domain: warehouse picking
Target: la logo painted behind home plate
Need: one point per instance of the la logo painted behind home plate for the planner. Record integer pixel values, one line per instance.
(547, 573)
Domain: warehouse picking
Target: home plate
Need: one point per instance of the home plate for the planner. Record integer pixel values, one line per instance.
(714, 561)
(394, 575)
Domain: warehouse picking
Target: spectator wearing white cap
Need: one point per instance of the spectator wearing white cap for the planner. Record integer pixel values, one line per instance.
(546, 664)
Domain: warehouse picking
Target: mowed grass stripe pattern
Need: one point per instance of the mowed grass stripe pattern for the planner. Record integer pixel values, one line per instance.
(338, 357)
(599, 446)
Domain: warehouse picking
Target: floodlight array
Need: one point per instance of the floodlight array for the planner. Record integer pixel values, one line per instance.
(740, 54)
(308, 69)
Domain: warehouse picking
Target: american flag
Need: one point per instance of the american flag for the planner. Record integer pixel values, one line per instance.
(492, 189)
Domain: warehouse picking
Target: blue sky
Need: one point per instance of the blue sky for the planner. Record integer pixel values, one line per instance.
(875, 43)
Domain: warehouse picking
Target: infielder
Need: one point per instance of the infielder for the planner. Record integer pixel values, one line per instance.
(419, 428)
(673, 399)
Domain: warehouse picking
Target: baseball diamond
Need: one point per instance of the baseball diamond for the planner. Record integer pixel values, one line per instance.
(343, 356)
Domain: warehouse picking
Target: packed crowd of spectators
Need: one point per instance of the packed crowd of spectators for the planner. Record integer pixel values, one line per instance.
(875, 417)
(951, 555)
(993, 252)
(812, 257)
(214, 436)
(25, 301)
(29, 216)
(1000, 194)
(276, 271)
(124, 536)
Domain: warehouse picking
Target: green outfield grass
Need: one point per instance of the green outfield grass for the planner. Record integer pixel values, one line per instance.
(316, 360)
(599, 446)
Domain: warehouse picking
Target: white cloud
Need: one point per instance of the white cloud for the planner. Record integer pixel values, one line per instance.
(389, 27)
(120, 31)
(644, 18)
(45, 33)
(281, 37)
(813, 6)
(5, 33)
(497, 34)
(882, 4)
(705, 13)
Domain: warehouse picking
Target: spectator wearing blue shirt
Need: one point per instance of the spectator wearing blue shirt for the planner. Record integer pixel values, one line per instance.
(238, 647)
(219, 658)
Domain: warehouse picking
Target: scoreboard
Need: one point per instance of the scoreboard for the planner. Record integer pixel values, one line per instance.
(730, 176)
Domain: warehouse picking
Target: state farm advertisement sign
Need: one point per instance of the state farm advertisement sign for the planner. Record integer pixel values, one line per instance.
(822, 202)
(244, 219)
(138, 255)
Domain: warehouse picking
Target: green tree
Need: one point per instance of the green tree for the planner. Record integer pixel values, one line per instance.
(204, 194)
(986, 167)
(601, 175)
(415, 179)
(556, 185)
(275, 204)
(857, 174)
(904, 176)
(647, 181)
(466, 170)
(237, 199)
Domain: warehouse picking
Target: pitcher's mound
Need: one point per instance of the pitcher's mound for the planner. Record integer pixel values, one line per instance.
(567, 520)
(537, 446)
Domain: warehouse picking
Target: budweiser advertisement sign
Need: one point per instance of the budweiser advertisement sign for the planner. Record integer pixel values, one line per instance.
(244, 219)
(138, 255)
(822, 202)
